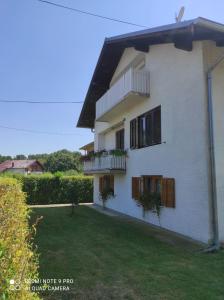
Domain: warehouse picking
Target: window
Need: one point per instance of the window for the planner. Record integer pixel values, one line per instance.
(120, 139)
(146, 129)
(106, 182)
(152, 184)
(157, 184)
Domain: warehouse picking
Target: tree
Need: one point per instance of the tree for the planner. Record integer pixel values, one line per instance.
(60, 161)
(40, 157)
(20, 157)
(63, 160)
(4, 158)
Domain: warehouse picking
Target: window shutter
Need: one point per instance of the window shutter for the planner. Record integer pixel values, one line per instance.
(133, 134)
(118, 140)
(101, 184)
(143, 184)
(157, 126)
(136, 187)
(168, 192)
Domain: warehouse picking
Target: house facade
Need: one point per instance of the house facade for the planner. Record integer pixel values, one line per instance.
(156, 105)
(22, 167)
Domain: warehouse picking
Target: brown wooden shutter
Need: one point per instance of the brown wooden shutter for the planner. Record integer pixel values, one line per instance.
(157, 126)
(133, 134)
(143, 185)
(101, 179)
(136, 187)
(168, 192)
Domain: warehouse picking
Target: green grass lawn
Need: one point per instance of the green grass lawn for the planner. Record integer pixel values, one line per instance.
(113, 258)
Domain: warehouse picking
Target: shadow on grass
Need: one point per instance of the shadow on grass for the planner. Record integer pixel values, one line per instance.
(114, 258)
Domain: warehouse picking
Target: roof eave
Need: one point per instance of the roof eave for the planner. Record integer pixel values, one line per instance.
(157, 35)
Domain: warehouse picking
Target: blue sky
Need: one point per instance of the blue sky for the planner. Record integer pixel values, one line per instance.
(48, 53)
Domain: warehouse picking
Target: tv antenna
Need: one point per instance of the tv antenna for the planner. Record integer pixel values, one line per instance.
(179, 17)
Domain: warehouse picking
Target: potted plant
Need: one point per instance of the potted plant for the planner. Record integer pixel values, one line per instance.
(150, 201)
(118, 152)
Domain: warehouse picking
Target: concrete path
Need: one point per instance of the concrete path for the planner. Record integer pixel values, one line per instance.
(57, 205)
(105, 211)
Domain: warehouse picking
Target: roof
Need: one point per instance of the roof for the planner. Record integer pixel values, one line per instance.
(17, 164)
(182, 34)
(88, 147)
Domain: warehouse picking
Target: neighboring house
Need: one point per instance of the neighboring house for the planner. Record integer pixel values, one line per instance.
(22, 166)
(88, 148)
(158, 94)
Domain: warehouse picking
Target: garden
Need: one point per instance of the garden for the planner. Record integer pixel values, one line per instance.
(80, 253)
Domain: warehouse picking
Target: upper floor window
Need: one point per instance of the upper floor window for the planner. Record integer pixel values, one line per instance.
(146, 129)
(120, 139)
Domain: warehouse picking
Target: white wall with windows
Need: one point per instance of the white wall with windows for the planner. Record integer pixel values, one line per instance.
(178, 85)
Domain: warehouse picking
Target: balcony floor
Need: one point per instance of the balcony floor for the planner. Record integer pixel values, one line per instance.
(129, 101)
(105, 171)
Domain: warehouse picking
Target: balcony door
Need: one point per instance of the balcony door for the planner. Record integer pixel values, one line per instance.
(120, 139)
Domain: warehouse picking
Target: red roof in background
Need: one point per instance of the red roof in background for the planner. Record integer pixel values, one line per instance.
(17, 164)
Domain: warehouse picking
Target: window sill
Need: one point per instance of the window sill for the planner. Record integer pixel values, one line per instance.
(146, 146)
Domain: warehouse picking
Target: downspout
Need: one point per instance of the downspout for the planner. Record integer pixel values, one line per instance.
(214, 207)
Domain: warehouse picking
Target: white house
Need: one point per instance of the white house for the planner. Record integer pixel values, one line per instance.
(159, 94)
(24, 166)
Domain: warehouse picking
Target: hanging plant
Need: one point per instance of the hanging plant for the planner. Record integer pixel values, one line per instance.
(105, 195)
(150, 201)
(99, 153)
(118, 152)
(86, 157)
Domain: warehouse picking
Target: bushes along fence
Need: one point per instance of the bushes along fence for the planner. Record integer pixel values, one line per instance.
(48, 189)
(17, 261)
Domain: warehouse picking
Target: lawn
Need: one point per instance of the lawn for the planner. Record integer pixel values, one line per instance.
(113, 258)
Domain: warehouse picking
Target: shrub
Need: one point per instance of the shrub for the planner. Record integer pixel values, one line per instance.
(105, 195)
(17, 261)
(49, 189)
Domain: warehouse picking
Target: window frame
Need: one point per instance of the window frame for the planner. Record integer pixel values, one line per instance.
(138, 137)
(153, 178)
(167, 189)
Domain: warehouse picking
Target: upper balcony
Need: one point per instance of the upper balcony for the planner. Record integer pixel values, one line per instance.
(131, 87)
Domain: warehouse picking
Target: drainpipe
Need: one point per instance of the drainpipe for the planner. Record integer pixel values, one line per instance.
(214, 207)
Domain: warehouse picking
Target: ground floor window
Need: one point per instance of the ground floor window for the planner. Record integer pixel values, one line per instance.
(106, 182)
(155, 184)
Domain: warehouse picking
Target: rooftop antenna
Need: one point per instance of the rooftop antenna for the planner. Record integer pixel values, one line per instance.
(179, 17)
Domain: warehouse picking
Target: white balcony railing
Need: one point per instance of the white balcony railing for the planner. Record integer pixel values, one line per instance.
(105, 164)
(132, 82)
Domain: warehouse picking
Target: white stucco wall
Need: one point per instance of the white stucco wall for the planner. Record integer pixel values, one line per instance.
(218, 108)
(177, 83)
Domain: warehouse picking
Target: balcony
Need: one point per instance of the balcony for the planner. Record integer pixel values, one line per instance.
(129, 90)
(106, 164)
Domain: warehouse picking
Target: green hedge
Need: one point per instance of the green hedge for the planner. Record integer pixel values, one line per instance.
(17, 260)
(56, 189)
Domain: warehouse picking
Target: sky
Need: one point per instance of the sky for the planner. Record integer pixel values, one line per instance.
(49, 54)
